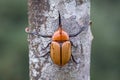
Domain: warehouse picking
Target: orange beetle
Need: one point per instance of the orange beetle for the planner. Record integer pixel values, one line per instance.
(60, 47)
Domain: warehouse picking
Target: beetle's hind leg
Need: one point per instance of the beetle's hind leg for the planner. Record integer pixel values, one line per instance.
(73, 59)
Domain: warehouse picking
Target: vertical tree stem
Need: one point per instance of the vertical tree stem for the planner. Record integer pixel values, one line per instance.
(43, 19)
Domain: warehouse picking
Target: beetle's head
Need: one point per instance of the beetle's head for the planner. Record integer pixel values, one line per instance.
(60, 36)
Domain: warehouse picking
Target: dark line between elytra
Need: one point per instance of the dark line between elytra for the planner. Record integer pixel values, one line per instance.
(60, 53)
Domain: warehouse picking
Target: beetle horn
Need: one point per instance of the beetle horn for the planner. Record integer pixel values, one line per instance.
(60, 25)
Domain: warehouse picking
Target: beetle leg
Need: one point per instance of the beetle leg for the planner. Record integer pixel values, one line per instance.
(39, 35)
(80, 30)
(45, 36)
(45, 54)
(73, 44)
(46, 46)
(74, 60)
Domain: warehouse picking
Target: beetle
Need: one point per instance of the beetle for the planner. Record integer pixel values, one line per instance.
(61, 46)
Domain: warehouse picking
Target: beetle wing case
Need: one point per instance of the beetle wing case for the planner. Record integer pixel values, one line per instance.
(60, 53)
(66, 52)
(55, 52)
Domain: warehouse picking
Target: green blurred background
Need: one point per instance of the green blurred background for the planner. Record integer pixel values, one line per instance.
(13, 45)
(105, 64)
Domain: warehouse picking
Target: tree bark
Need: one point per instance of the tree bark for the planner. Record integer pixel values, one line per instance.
(43, 19)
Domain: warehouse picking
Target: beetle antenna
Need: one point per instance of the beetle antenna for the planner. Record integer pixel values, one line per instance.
(60, 25)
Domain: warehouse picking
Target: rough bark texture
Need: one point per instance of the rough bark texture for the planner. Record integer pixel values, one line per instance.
(43, 18)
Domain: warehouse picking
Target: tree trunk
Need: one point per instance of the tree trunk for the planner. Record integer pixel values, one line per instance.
(43, 19)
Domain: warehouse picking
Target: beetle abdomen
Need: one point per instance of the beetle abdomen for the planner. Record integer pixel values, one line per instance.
(60, 52)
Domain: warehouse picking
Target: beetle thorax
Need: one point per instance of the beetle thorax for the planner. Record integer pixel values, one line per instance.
(60, 36)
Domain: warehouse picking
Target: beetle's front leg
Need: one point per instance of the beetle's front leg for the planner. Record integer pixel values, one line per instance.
(80, 30)
(27, 30)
